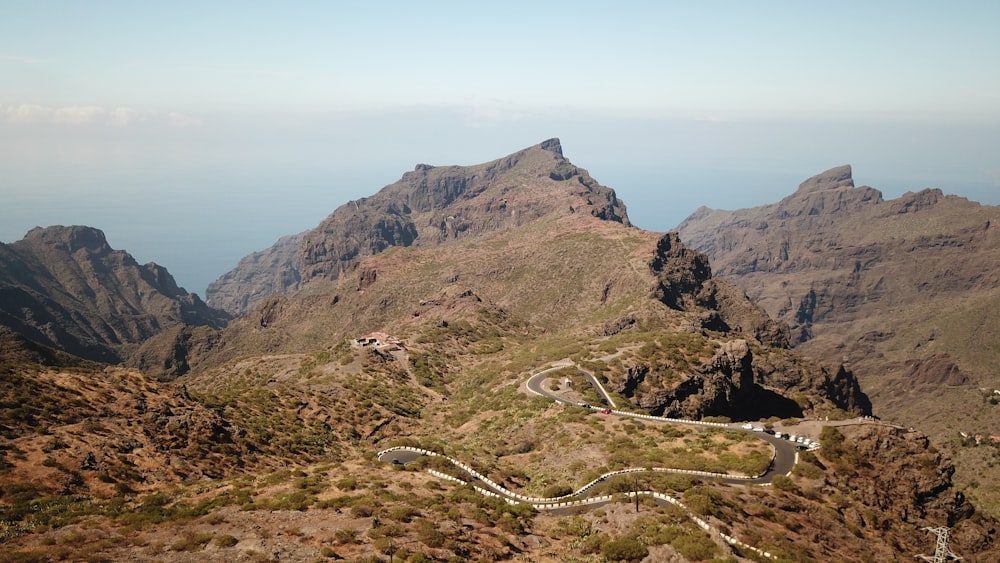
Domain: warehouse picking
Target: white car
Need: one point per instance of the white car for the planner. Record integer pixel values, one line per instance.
(747, 426)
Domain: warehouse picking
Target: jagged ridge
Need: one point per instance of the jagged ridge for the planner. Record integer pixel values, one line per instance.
(66, 288)
(428, 206)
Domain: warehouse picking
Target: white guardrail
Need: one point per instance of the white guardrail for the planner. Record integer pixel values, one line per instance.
(556, 503)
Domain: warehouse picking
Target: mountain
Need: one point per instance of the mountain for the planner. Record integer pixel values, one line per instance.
(534, 237)
(527, 351)
(906, 292)
(66, 288)
(429, 206)
(256, 277)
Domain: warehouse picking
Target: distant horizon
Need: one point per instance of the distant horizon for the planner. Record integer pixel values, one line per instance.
(195, 133)
(275, 202)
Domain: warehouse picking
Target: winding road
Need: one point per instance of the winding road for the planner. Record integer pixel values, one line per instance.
(785, 452)
(785, 457)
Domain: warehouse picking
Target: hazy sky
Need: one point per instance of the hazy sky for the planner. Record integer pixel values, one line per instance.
(193, 133)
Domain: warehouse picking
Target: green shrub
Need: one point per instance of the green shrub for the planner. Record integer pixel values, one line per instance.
(574, 526)
(557, 491)
(783, 483)
(624, 549)
(403, 513)
(346, 536)
(428, 534)
(592, 543)
(192, 542)
(695, 546)
(348, 483)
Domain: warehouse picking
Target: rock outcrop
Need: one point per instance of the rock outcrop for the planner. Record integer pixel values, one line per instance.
(168, 355)
(842, 241)
(685, 283)
(740, 384)
(66, 288)
(905, 292)
(751, 375)
(272, 271)
(832, 259)
(428, 206)
(914, 478)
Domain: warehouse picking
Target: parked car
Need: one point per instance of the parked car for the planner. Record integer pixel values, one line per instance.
(605, 411)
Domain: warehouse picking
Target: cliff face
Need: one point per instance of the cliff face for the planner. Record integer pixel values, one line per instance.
(905, 292)
(428, 206)
(268, 272)
(685, 283)
(871, 493)
(534, 236)
(835, 252)
(66, 288)
(741, 381)
(854, 276)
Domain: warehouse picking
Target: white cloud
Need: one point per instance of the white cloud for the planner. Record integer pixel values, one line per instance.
(122, 116)
(26, 113)
(77, 115)
(180, 120)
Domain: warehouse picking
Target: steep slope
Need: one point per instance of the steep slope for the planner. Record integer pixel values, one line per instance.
(903, 291)
(269, 442)
(280, 464)
(684, 343)
(426, 207)
(832, 252)
(272, 271)
(66, 288)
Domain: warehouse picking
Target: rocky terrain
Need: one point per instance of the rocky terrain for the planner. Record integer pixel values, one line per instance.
(417, 322)
(905, 292)
(66, 288)
(428, 206)
(574, 266)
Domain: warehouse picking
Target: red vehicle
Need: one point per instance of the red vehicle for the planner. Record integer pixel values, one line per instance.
(606, 411)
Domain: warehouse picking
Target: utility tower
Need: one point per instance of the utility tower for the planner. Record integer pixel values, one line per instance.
(942, 553)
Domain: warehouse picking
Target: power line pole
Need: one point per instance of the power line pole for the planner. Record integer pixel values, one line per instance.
(942, 552)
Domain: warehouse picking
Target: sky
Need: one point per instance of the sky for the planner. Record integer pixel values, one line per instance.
(194, 133)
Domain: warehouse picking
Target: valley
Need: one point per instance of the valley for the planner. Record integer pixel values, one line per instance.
(470, 312)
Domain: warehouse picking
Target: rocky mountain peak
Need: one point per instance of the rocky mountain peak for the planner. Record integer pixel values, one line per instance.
(161, 279)
(66, 288)
(429, 205)
(680, 271)
(552, 145)
(70, 238)
(826, 195)
(832, 179)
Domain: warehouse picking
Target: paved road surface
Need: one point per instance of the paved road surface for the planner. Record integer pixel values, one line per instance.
(784, 451)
